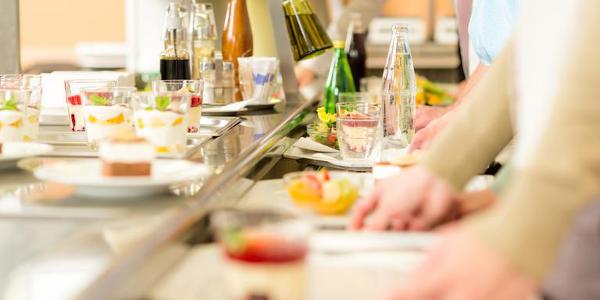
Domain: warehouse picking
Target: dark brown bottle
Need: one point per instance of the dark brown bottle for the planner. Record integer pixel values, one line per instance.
(237, 36)
(357, 52)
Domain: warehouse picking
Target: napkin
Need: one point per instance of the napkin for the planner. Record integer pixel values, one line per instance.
(311, 145)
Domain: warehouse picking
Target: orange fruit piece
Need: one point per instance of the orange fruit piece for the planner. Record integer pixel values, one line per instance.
(92, 119)
(302, 193)
(177, 121)
(116, 120)
(16, 124)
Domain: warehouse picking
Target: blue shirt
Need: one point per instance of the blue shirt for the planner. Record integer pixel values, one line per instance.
(491, 24)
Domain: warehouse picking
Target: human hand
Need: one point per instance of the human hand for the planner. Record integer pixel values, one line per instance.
(416, 199)
(426, 114)
(461, 267)
(472, 202)
(305, 76)
(425, 136)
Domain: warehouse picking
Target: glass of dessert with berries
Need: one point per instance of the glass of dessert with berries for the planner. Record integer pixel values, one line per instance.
(74, 98)
(161, 118)
(107, 111)
(13, 111)
(193, 87)
(126, 155)
(32, 84)
(359, 131)
(264, 253)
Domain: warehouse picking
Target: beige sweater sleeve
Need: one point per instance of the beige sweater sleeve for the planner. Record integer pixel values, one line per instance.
(564, 175)
(479, 130)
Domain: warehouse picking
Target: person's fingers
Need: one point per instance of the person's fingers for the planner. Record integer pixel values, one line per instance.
(436, 207)
(363, 209)
(418, 140)
(379, 220)
(399, 224)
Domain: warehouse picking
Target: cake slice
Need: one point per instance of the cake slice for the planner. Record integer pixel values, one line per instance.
(126, 155)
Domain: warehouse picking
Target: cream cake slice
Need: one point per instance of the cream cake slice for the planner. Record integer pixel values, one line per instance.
(126, 155)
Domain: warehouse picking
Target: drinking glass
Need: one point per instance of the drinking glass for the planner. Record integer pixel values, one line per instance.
(195, 88)
(13, 112)
(258, 77)
(356, 97)
(161, 118)
(359, 131)
(32, 85)
(107, 111)
(264, 252)
(73, 97)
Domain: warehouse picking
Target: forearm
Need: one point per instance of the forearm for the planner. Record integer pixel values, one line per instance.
(556, 165)
(479, 130)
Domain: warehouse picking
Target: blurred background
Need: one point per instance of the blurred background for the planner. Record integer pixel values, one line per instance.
(87, 34)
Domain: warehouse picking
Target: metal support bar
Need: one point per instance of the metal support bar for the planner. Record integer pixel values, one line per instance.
(10, 56)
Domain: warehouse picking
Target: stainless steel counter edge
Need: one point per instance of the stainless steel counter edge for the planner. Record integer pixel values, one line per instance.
(110, 284)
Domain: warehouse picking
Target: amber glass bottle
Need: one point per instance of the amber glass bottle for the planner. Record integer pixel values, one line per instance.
(237, 35)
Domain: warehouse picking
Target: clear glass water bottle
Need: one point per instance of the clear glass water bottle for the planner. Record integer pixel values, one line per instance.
(399, 91)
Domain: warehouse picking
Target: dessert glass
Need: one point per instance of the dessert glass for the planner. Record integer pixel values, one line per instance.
(13, 112)
(32, 84)
(359, 131)
(107, 112)
(74, 101)
(161, 118)
(194, 87)
(264, 253)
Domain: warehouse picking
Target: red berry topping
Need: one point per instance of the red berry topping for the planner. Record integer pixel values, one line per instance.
(196, 101)
(74, 100)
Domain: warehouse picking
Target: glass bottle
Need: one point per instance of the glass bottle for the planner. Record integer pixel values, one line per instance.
(204, 35)
(237, 36)
(307, 36)
(339, 79)
(175, 58)
(399, 90)
(356, 50)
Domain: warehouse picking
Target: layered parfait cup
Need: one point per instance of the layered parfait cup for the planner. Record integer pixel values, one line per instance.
(264, 253)
(13, 112)
(107, 112)
(161, 118)
(192, 87)
(32, 85)
(74, 99)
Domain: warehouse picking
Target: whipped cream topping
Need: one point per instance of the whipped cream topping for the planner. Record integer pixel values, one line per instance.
(124, 152)
(161, 128)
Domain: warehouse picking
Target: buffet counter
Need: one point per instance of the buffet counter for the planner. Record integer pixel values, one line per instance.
(56, 245)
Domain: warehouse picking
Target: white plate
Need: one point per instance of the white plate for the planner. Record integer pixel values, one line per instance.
(14, 151)
(86, 176)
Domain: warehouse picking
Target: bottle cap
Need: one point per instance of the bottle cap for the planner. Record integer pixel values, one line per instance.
(339, 44)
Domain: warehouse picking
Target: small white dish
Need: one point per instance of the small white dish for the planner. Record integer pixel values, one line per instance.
(86, 177)
(14, 151)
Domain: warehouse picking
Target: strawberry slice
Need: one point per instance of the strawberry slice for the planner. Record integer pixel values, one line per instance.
(325, 175)
(196, 101)
(74, 100)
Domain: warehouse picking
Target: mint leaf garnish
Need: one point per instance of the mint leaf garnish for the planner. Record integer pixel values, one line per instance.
(99, 100)
(234, 241)
(10, 104)
(162, 102)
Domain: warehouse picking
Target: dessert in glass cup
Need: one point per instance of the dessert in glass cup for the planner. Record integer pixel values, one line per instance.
(194, 88)
(107, 111)
(13, 111)
(74, 99)
(161, 118)
(264, 253)
(32, 84)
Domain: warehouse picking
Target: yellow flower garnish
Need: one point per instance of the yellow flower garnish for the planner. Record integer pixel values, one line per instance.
(325, 117)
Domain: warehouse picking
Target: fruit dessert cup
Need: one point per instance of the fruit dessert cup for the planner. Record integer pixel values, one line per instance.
(264, 254)
(126, 155)
(106, 112)
(162, 120)
(74, 99)
(32, 116)
(13, 107)
(192, 87)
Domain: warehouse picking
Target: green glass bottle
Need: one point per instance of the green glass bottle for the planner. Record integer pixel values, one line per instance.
(339, 79)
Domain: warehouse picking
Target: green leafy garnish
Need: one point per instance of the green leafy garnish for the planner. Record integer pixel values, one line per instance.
(162, 102)
(99, 100)
(234, 241)
(10, 104)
